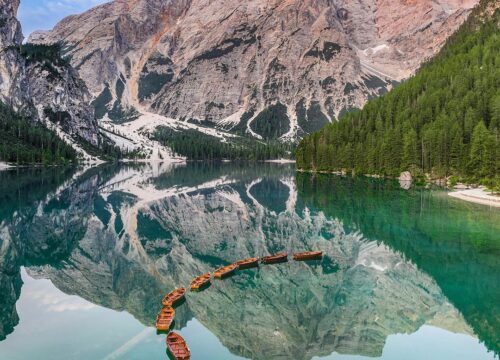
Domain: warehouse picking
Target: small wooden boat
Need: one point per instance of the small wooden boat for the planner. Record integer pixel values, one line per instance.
(308, 255)
(200, 281)
(248, 263)
(174, 297)
(274, 259)
(165, 319)
(225, 271)
(178, 347)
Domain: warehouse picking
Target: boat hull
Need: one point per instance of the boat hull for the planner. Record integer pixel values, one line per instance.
(165, 319)
(247, 263)
(200, 282)
(177, 347)
(275, 259)
(308, 256)
(174, 298)
(225, 271)
(201, 287)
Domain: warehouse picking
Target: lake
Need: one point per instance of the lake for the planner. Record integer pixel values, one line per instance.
(87, 255)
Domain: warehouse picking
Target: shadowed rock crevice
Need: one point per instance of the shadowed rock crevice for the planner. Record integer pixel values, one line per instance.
(247, 56)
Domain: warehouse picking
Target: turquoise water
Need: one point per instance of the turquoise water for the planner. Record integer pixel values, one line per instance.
(86, 256)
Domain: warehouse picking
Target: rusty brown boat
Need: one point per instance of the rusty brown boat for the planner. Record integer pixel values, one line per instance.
(275, 259)
(248, 263)
(177, 347)
(200, 281)
(308, 255)
(225, 271)
(165, 319)
(174, 297)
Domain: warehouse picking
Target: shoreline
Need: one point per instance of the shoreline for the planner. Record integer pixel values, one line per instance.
(4, 166)
(173, 161)
(280, 161)
(476, 196)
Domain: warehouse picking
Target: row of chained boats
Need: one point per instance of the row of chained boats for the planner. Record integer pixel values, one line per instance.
(176, 345)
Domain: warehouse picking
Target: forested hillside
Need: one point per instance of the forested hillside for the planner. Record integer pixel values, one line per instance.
(198, 146)
(26, 142)
(443, 121)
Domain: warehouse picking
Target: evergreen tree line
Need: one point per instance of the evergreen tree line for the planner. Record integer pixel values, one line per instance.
(24, 142)
(197, 146)
(443, 121)
(41, 53)
(107, 150)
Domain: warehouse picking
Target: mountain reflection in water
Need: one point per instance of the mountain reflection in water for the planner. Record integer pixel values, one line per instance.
(120, 236)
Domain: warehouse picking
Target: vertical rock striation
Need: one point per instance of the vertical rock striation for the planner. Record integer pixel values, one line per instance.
(45, 88)
(12, 80)
(271, 68)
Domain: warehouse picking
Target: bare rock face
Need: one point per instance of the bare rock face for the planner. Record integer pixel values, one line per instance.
(405, 32)
(61, 99)
(41, 89)
(271, 68)
(405, 180)
(12, 81)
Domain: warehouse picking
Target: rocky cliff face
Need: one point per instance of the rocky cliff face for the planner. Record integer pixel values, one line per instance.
(61, 99)
(272, 68)
(42, 87)
(12, 81)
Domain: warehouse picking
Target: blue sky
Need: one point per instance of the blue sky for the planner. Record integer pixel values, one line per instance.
(44, 14)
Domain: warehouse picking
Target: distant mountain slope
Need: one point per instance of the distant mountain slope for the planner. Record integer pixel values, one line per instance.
(23, 142)
(443, 121)
(272, 69)
(41, 86)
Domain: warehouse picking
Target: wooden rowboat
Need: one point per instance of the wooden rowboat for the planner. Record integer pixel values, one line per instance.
(178, 347)
(165, 319)
(200, 281)
(274, 259)
(308, 255)
(174, 297)
(225, 271)
(248, 263)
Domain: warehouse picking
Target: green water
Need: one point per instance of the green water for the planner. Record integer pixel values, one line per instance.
(86, 256)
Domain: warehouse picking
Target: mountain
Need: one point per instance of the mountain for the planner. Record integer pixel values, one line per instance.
(12, 82)
(443, 121)
(271, 69)
(41, 86)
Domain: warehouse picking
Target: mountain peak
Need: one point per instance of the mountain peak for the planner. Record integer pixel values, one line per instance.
(232, 63)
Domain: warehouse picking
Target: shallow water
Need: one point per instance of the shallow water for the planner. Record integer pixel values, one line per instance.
(86, 256)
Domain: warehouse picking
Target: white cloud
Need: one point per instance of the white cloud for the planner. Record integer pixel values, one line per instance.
(41, 293)
(44, 14)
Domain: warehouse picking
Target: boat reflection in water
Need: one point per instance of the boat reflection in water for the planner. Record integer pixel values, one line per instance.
(120, 237)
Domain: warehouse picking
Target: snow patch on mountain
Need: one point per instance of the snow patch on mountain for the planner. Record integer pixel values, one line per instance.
(137, 135)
